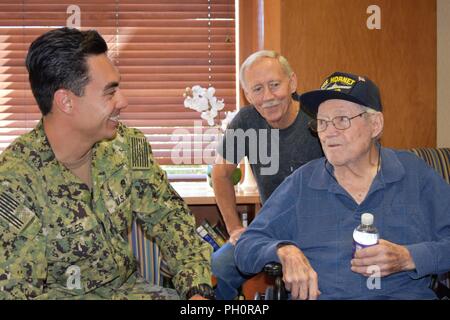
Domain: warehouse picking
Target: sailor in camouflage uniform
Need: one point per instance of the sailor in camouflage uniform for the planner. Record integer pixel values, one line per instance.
(58, 219)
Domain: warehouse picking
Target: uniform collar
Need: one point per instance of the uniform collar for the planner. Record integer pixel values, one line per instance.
(108, 156)
(41, 145)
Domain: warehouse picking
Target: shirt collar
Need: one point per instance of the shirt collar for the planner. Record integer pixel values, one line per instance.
(40, 140)
(391, 170)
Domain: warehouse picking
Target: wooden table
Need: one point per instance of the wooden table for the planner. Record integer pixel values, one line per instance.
(200, 193)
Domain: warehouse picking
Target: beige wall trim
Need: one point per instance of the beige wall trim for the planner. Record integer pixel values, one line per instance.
(443, 73)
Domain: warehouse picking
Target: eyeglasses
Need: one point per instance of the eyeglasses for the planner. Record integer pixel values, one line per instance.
(339, 122)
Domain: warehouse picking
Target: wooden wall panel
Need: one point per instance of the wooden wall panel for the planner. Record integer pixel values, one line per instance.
(251, 13)
(319, 37)
(272, 25)
(249, 24)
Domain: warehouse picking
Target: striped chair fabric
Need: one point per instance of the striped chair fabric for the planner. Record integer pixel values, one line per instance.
(438, 159)
(147, 255)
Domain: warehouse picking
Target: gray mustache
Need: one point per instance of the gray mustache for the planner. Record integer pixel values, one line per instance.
(271, 103)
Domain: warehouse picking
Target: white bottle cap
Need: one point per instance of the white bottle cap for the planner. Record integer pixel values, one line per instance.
(367, 219)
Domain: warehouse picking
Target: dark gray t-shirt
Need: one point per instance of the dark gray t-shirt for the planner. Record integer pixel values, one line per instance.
(273, 153)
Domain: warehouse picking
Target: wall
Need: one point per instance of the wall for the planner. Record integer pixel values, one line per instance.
(319, 37)
(443, 73)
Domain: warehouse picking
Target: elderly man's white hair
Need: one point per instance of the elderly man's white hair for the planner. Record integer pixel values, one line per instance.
(263, 54)
(370, 111)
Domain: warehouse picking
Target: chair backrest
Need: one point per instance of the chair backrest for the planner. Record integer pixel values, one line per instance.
(439, 160)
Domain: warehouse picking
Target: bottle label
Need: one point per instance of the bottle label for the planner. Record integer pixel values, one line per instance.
(363, 240)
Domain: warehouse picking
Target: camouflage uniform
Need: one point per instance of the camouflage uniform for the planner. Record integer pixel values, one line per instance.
(50, 221)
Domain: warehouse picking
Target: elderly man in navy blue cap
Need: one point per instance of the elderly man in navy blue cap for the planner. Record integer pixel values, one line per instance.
(307, 223)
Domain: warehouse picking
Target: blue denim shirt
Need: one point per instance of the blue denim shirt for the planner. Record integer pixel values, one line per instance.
(411, 206)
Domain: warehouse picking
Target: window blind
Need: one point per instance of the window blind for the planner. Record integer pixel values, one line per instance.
(160, 47)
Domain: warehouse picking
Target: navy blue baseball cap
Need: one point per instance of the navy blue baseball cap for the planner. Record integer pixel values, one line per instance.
(343, 86)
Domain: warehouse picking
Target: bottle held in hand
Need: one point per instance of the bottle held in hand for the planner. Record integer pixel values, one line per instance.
(365, 235)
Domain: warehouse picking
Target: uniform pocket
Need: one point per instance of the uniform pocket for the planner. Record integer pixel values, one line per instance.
(33, 227)
(80, 251)
(76, 241)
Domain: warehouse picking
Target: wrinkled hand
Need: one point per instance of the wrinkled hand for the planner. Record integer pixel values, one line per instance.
(388, 256)
(298, 275)
(236, 234)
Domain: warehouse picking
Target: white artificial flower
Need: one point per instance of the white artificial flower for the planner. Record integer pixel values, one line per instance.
(229, 115)
(213, 112)
(198, 91)
(210, 93)
(203, 100)
(209, 116)
(202, 104)
(217, 104)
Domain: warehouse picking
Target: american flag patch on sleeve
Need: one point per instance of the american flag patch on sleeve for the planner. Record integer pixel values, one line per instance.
(18, 216)
(139, 153)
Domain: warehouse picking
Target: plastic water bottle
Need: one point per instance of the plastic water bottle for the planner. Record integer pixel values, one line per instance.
(365, 235)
